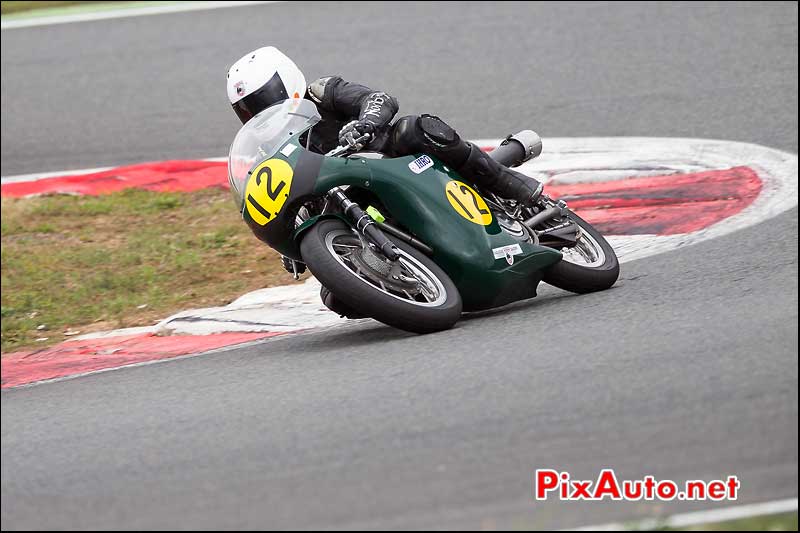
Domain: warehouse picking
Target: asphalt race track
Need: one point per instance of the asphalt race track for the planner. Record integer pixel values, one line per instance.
(687, 369)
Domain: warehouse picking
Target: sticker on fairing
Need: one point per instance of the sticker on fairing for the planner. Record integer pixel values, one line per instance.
(468, 203)
(420, 164)
(267, 190)
(288, 149)
(507, 252)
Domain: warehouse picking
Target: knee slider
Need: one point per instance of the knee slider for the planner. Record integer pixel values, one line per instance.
(436, 131)
(431, 135)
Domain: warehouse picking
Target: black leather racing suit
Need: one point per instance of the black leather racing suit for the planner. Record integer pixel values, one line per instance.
(340, 102)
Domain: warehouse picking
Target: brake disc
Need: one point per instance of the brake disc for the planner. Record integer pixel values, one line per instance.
(381, 270)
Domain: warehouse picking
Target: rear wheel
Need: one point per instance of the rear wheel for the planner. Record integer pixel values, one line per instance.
(588, 266)
(412, 294)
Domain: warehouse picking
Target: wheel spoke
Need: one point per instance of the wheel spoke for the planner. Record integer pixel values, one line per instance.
(426, 292)
(421, 285)
(586, 252)
(349, 247)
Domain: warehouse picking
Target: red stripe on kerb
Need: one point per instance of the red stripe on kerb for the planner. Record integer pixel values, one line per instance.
(162, 176)
(662, 205)
(78, 357)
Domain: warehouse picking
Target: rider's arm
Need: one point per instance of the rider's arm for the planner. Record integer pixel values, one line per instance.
(354, 100)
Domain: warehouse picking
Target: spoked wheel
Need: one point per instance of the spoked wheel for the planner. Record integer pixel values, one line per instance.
(412, 293)
(588, 266)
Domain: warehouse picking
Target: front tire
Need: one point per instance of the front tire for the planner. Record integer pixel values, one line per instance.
(415, 296)
(590, 266)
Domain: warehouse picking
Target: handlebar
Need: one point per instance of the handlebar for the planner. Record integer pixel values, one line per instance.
(358, 144)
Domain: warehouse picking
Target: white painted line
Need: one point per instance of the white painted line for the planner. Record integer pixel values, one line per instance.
(177, 7)
(44, 175)
(700, 517)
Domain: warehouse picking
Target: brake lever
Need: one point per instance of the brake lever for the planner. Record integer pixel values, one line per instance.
(358, 144)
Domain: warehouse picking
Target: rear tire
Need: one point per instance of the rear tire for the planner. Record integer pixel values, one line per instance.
(364, 294)
(582, 279)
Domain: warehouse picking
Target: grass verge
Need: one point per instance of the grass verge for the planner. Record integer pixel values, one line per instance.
(9, 7)
(91, 263)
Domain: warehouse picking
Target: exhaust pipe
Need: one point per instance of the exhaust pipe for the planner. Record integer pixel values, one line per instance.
(518, 148)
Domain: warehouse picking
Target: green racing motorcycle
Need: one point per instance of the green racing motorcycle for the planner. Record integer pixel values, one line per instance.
(406, 240)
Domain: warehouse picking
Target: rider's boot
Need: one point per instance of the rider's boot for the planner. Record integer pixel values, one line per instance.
(501, 180)
(430, 134)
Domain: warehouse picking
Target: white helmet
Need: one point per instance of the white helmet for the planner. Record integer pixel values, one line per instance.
(262, 78)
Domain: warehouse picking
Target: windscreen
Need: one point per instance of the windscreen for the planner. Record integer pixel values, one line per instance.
(263, 135)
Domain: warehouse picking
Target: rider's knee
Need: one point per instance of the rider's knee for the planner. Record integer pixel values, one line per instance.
(429, 134)
(405, 139)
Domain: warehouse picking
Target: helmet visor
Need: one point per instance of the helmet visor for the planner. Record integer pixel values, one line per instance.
(270, 93)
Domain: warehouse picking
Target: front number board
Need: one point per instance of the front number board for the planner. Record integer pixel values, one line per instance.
(267, 190)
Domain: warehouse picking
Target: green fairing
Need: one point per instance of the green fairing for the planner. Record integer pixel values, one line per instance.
(462, 248)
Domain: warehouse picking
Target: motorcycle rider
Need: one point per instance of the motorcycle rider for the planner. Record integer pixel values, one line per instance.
(266, 76)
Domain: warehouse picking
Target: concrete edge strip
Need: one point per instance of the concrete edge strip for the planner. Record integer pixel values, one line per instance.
(134, 365)
(220, 349)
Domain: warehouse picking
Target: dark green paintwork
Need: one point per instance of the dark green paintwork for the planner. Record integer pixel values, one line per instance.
(461, 248)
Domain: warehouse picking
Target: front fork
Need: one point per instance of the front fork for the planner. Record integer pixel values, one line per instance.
(364, 224)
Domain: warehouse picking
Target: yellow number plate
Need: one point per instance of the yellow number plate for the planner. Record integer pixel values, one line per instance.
(267, 190)
(468, 203)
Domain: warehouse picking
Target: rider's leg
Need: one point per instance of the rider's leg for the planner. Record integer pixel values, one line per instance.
(431, 135)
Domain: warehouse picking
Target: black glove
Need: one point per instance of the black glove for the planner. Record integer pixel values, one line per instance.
(287, 264)
(354, 130)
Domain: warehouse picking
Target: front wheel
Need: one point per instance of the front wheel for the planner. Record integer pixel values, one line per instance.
(588, 266)
(412, 294)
